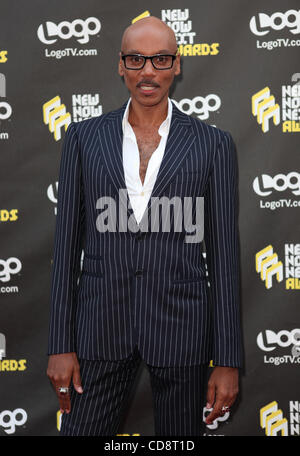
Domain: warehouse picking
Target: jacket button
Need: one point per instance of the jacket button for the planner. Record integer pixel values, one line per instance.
(138, 272)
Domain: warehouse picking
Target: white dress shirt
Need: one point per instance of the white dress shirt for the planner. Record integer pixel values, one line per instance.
(139, 193)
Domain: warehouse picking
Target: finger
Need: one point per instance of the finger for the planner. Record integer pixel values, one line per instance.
(222, 401)
(77, 381)
(63, 398)
(64, 401)
(219, 410)
(215, 413)
(210, 395)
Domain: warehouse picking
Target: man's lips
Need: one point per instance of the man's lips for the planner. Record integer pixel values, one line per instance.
(147, 85)
(147, 88)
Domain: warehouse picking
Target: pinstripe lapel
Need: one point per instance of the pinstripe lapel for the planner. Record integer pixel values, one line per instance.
(180, 139)
(111, 148)
(111, 143)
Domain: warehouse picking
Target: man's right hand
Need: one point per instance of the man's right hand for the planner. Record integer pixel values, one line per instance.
(61, 369)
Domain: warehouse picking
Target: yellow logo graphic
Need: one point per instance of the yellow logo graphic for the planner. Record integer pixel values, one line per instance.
(199, 49)
(271, 419)
(267, 264)
(141, 16)
(126, 434)
(8, 215)
(9, 365)
(264, 108)
(55, 115)
(3, 57)
(58, 420)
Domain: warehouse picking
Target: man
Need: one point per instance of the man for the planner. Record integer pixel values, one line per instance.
(143, 294)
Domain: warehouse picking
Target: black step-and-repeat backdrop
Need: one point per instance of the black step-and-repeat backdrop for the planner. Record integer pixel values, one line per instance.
(241, 73)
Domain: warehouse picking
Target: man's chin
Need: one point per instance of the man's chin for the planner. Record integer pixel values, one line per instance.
(149, 100)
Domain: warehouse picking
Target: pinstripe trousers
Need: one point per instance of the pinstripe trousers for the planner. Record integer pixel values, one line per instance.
(178, 398)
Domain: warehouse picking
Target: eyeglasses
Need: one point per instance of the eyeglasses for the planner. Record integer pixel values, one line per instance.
(159, 61)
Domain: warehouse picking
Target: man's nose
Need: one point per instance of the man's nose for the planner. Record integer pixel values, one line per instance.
(148, 67)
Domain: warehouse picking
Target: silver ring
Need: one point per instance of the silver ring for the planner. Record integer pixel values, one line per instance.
(225, 408)
(63, 389)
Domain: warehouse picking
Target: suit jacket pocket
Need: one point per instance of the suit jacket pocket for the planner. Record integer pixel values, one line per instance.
(188, 280)
(93, 265)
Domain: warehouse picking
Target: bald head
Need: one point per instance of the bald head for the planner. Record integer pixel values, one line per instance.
(145, 31)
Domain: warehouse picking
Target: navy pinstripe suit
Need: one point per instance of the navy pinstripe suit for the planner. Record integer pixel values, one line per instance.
(146, 289)
(142, 293)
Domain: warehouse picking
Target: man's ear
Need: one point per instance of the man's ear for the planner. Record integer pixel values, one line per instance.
(177, 64)
(120, 66)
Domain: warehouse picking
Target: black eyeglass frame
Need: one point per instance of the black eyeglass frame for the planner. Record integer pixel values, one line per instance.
(150, 57)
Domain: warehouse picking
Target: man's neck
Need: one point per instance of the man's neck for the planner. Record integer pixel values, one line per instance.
(152, 116)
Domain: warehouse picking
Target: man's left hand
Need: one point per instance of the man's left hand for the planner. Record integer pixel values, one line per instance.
(222, 390)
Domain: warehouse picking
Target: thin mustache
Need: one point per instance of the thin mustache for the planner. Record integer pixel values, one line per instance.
(147, 81)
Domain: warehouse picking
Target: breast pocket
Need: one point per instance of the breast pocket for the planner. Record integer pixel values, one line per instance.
(93, 265)
(187, 183)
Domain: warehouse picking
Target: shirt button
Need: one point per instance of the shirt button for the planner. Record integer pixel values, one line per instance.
(142, 193)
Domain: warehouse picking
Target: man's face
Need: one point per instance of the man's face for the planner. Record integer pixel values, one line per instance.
(149, 86)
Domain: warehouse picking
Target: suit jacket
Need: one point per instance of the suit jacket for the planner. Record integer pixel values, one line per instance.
(145, 288)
